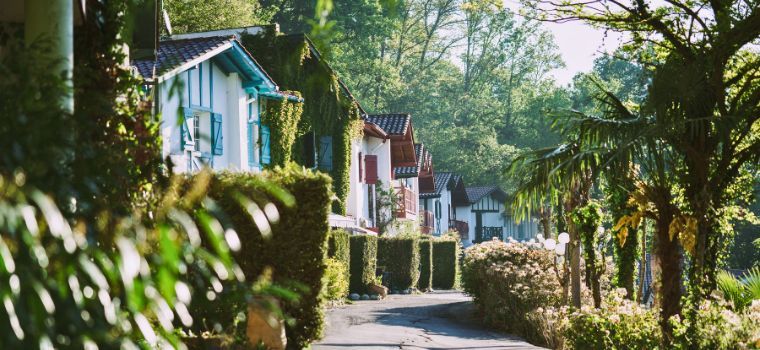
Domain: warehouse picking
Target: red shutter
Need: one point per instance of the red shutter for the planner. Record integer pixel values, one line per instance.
(370, 165)
(360, 166)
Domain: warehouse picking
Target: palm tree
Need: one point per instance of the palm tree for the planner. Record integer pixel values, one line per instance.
(609, 143)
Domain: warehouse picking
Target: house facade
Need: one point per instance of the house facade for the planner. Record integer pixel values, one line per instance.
(405, 173)
(441, 204)
(487, 217)
(210, 92)
(371, 174)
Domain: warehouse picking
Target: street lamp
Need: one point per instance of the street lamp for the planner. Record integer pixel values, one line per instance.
(563, 238)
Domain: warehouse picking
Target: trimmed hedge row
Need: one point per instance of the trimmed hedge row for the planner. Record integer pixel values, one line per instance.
(296, 250)
(338, 253)
(445, 264)
(399, 256)
(426, 265)
(363, 262)
(339, 246)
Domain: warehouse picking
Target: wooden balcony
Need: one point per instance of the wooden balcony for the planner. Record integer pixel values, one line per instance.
(407, 203)
(427, 223)
(459, 226)
(487, 233)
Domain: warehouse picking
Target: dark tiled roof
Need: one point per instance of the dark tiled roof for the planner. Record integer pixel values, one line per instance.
(420, 153)
(412, 171)
(474, 194)
(441, 182)
(456, 178)
(393, 124)
(174, 53)
(406, 171)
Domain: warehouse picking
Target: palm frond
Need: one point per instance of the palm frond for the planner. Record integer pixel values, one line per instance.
(732, 288)
(751, 281)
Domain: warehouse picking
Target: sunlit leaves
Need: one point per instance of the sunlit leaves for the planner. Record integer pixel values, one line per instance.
(685, 228)
(73, 292)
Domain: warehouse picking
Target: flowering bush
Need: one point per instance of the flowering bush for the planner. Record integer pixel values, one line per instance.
(618, 324)
(510, 280)
(718, 328)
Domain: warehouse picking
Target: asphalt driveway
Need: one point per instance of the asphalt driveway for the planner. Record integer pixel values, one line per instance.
(438, 320)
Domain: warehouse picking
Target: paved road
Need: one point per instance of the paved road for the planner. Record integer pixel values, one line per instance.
(438, 320)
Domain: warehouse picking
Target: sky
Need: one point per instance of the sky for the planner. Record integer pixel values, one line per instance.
(579, 45)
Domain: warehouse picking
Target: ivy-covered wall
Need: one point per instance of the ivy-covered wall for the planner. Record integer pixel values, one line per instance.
(282, 117)
(327, 109)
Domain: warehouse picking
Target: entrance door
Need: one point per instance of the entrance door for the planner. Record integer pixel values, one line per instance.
(479, 227)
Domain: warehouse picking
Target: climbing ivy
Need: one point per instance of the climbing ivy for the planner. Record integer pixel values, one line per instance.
(626, 239)
(328, 110)
(282, 117)
(587, 219)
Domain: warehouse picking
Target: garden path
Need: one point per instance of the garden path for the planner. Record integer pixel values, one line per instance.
(437, 320)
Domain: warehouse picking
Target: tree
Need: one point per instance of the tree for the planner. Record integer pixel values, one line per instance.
(704, 102)
(187, 16)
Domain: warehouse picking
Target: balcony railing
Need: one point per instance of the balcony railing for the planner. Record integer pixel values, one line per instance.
(461, 227)
(427, 225)
(407, 203)
(486, 233)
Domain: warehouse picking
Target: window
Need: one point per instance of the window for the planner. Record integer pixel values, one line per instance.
(197, 132)
(325, 153)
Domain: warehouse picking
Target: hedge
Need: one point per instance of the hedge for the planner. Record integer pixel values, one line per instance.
(399, 256)
(363, 262)
(339, 246)
(296, 250)
(426, 265)
(445, 264)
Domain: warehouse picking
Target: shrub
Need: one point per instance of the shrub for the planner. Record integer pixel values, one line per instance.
(400, 257)
(426, 265)
(508, 281)
(618, 324)
(137, 277)
(363, 262)
(294, 248)
(714, 326)
(339, 247)
(336, 279)
(445, 263)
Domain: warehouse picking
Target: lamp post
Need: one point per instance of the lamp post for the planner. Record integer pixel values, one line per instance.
(559, 247)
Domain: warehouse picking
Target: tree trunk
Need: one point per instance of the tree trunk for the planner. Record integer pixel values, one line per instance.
(643, 265)
(626, 264)
(668, 257)
(574, 250)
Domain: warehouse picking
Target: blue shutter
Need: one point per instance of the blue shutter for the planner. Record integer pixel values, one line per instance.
(251, 146)
(325, 153)
(217, 137)
(266, 156)
(185, 136)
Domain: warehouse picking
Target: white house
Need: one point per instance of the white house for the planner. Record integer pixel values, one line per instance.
(370, 169)
(210, 94)
(487, 219)
(449, 193)
(404, 163)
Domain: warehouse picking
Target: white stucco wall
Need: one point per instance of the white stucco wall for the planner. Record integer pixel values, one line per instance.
(357, 205)
(209, 90)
